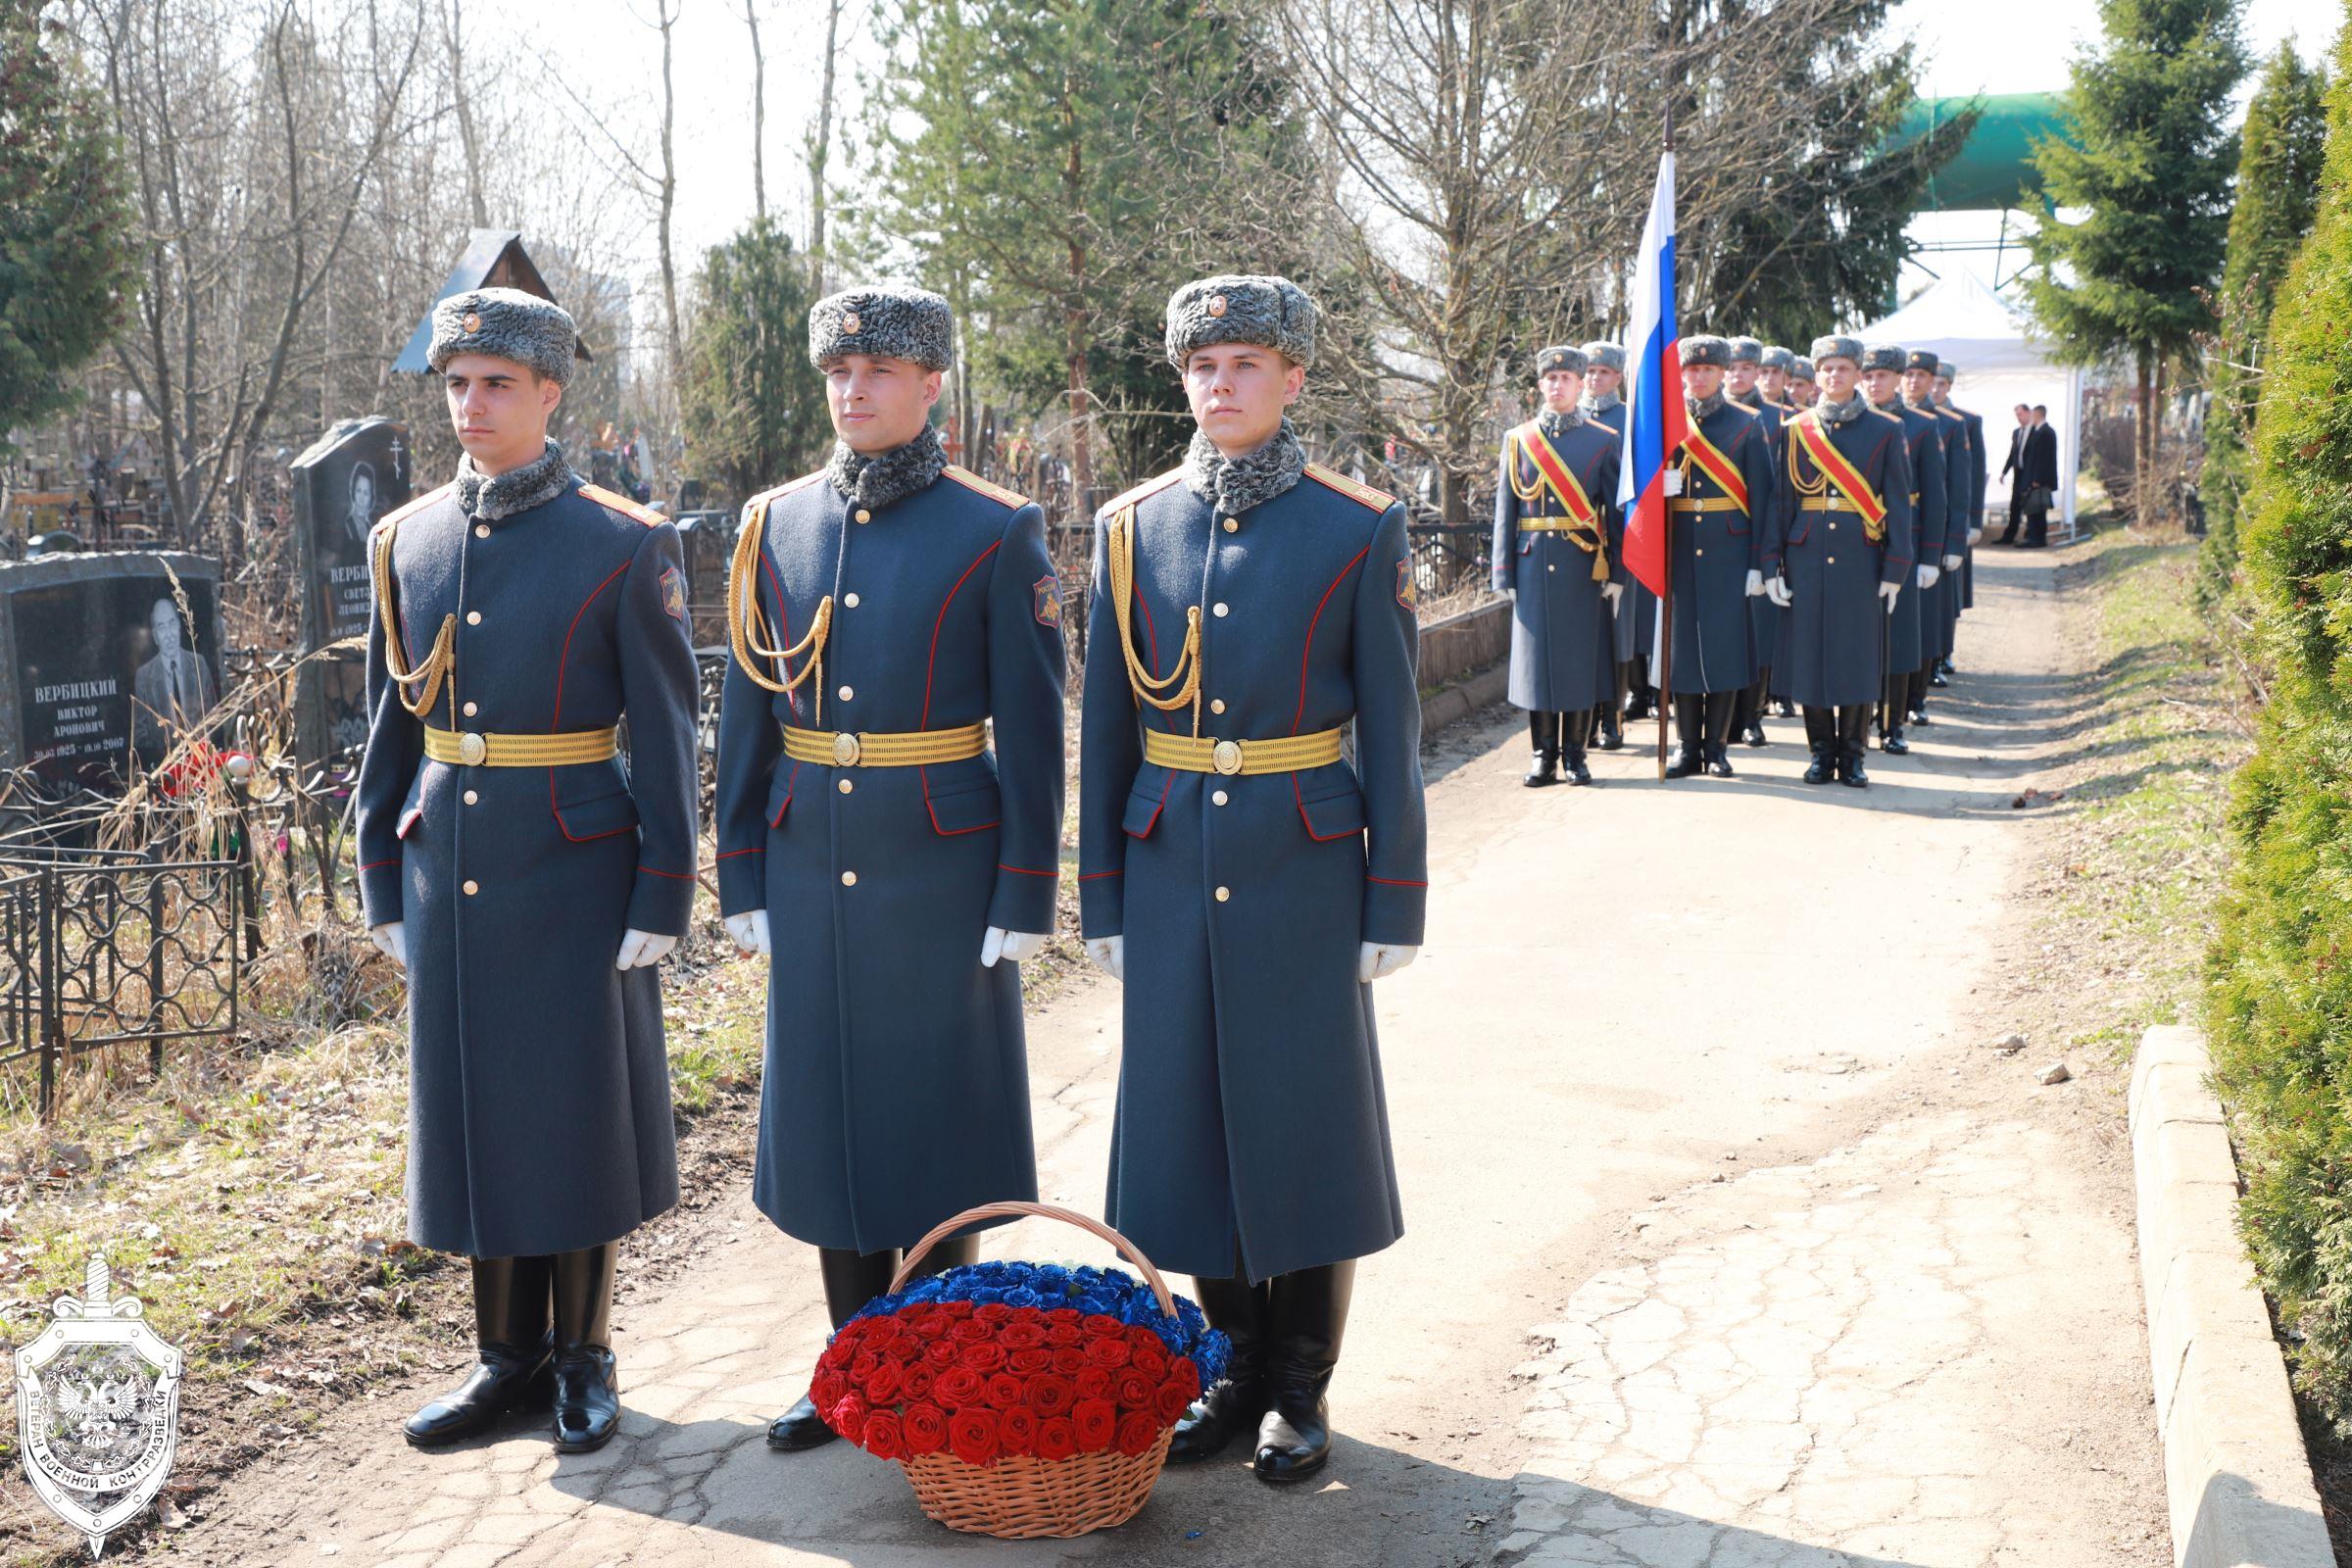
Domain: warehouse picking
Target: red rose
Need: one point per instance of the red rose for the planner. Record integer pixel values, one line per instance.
(916, 1383)
(826, 1390)
(848, 1416)
(863, 1367)
(925, 1428)
(984, 1358)
(1057, 1439)
(957, 1387)
(1112, 1353)
(1184, 1369)
(1017, 1431)
(992, 1311)
(904, 1345)
(1060, 1333)
(1069, 1360)
(881, 1436)
(1150, 1360)
(1170, 1403)
(1062, 1314)
(882, 1386)
(971, 1330)
(1094, 1383)
(972, 1437)
(1101, 1323)
(957, 1308)
(1050, 1395)
(1138, 1431)
(835, 1358)
(940, 1353)
(1005, 1390)
(1135, 1390)
(930, 1324)
(1029, 1364)
(1095, 1424)
(1026, 1335)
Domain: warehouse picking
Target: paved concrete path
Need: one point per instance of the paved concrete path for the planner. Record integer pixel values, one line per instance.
(1726, 1245)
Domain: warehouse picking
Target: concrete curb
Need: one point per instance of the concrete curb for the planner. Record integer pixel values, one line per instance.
(2236, 1472)
(1450, 704)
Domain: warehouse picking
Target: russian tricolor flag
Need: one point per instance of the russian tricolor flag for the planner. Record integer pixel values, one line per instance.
(1654, 424)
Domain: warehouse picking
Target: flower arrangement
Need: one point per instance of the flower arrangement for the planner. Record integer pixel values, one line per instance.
(1006, 1360)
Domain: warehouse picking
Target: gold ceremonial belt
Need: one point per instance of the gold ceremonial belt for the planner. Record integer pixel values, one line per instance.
(1827, 504)
(560, 749)
(1704, 504)
(911, 749)
(1205, 753)
(1555, 525)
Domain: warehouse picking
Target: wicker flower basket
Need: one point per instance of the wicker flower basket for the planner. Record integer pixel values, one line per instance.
(1042, 1483)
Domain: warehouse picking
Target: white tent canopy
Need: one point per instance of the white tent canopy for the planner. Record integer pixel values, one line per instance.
(2001, 365)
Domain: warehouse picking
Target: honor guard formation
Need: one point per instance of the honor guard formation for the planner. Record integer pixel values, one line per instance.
(1823, 514)
(1252, 842)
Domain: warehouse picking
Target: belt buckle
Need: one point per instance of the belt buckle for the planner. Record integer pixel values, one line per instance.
(472, 750)
(846, 750)
(1226, 756)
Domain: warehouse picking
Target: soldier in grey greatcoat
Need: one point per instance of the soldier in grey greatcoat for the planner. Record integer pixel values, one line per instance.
(1247, 882)
(1724, 470)
(1939, 610)
(1604, 405)
(1767, 397)
(1907, 641)
(528, 880)
(1979, 476)
(889, 803)
(1556, 555)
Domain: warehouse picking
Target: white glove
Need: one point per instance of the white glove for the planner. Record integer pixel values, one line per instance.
(1755, 583)
(1512, 593)
(1612, 592)
(749, 931)
(1014, 947)
(1953, 562)
(1777, 592)
(391, 941)
(642, 949)
(1974, 534)
(1674, 481)
(1377, 959)
(1928, 574)
(1890, 592)
(1109, 954)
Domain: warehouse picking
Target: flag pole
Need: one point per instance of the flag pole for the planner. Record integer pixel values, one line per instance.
(1665, 682)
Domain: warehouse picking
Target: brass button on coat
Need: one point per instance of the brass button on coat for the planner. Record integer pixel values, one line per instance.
(481, 530)
(845, 786)
(1218, 797)
(864, 516)
(472, 887)
(849, 599)
(1218, 609)
(473, 617)
(849, 879)
(846, 693)
(471, 709)
(1224, 894)
(1233, 525)
(473, 799)
(1216, 705)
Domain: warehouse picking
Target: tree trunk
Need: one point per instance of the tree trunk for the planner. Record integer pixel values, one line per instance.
(477, 205)
(751, 20)
(1082, 454)
(821, 149)
(2143, 438)
(669, 201)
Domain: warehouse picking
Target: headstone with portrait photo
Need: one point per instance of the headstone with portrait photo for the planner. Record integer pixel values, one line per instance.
(110, 659)
(347, 479)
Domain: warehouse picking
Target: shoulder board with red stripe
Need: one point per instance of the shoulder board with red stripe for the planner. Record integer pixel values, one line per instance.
(995, 492)
(415, 505)
(757, 507)
(1151, 486)
(1362, 495)
(614, 501)
(1891, 418)
(1610, 430)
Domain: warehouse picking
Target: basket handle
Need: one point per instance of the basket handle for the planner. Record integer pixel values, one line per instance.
(1016, 1210)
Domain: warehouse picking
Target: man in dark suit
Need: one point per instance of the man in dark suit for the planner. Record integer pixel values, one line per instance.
(2014, 469)
(2041, 476)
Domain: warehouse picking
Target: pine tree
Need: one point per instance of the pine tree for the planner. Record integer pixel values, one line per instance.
(752, 408)
(2281, 985)
(2149, 166)
(64, 223)
(2279, 150)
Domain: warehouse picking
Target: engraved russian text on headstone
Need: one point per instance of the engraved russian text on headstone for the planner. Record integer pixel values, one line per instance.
(346, 480)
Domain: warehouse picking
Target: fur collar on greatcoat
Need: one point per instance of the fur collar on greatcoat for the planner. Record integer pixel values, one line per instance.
(1846, 413)
(1235, 484)
(1554, 425)
(490, 497)
(892, 475)
(1703, 407)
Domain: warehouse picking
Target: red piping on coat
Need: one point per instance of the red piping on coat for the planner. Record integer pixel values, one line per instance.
(1392, 882)
(377, 865)
(675, 876)
(1022, 870)
(1299, 717)
(556, 722)
(729, 854)
(930, 667)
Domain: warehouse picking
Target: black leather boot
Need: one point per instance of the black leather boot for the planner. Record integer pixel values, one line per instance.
(1853, 730)
(514, 1365)
(851, 1279)
(1608, 729)
(1689, 754)
(1306, 1315)
(1543, 734)
(1720, 707)
(1576, 730)
(587, 1379)
(1238, 1403)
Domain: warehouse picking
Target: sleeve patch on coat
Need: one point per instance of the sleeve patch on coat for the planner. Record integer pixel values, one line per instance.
(1407, 594)
(673, 593)
(1047, 591)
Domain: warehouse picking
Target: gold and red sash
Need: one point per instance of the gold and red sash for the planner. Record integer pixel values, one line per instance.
(1563, 483)
(1716, 466)
(1839, 471)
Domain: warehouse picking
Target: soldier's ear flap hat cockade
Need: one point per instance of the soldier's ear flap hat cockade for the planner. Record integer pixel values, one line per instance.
(886, 323)
(1882, 357)
(504, 323)
(1607, 355)
(1800, 368)
(1705, 349)
(1920, 359)
(1747, 351)
(1271, 312)
(1777, 358)
(1560, 357)
(1838, 348)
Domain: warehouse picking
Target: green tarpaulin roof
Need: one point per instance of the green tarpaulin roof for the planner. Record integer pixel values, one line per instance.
(1995, 167)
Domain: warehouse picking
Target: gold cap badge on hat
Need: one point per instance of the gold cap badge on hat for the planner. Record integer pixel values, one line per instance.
(1216, 304)
(472, 322)
(849, 322)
